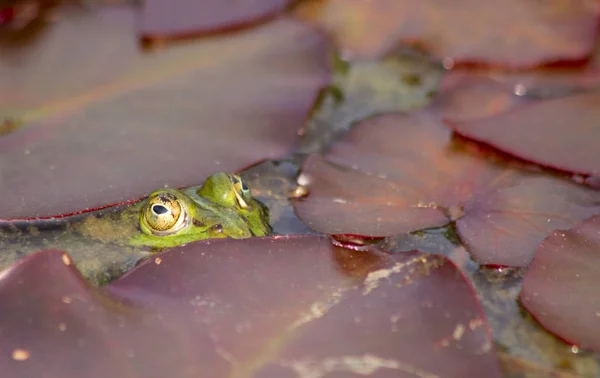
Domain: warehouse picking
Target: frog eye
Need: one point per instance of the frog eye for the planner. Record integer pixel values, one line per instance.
(163, 214)
(242, 191)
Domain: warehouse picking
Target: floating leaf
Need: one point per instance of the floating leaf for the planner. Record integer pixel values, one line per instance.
(552, 81)
(111, 124)
(263, 307)
(187, 17)
(406, 173)
(561, 133)
(543, 84)
(466, 96)
(559, 286)
(343, 201)
(517, 34)
(70, 329)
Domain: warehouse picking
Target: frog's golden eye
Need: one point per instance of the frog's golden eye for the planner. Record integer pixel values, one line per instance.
(164, 214)
(242, 191)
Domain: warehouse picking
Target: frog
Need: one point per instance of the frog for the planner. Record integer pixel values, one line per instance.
(223, 207)
(232, 192)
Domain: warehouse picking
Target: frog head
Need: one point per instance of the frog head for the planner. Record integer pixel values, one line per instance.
(232, 192)
(222, 207)
(170, 217)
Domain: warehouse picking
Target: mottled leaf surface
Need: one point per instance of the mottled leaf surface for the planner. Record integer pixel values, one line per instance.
(559, 289)
(264, 307)
(516, 34)
(174, 18)
(561, 133)
(401, 173)
(110, 124)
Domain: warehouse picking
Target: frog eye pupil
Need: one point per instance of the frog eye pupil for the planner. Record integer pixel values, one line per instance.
(159, 209)
(244, 187)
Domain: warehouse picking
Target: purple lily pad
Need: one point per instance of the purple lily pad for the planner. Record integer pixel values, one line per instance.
(516, 34)
(71, 329)
(338, 197)
(121, 124)
(188, 17)
(464, 95)
(561, 133)
(407, 173)
(264, 307)
(551, 83)
(559, 288)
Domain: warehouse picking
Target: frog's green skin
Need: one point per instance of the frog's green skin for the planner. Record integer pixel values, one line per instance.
(231, 191)
(171, 217)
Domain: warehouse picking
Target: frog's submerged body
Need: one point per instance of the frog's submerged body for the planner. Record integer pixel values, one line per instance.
(222, 207)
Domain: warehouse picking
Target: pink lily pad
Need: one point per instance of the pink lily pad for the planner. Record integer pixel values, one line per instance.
(186, 17)
(264, 307)
(561, 133)
(407, 173)
(114, 124)
(517, 34)
(559, 288)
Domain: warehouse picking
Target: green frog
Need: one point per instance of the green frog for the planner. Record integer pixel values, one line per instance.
(222, 207)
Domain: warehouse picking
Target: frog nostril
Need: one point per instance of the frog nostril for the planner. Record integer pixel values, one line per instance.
(159, 209)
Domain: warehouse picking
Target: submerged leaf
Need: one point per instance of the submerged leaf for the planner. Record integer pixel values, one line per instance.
(263, 307)
(112, 124)
(407, 173)
(560, 286)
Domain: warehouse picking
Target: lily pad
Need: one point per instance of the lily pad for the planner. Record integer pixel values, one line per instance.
(188, 17)
(545, 84)
(401, 173)
(113, 124)
(264, 307)
(560, 133)
(517, 34)
(558, 289)
(464, 95)
(558, 80)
